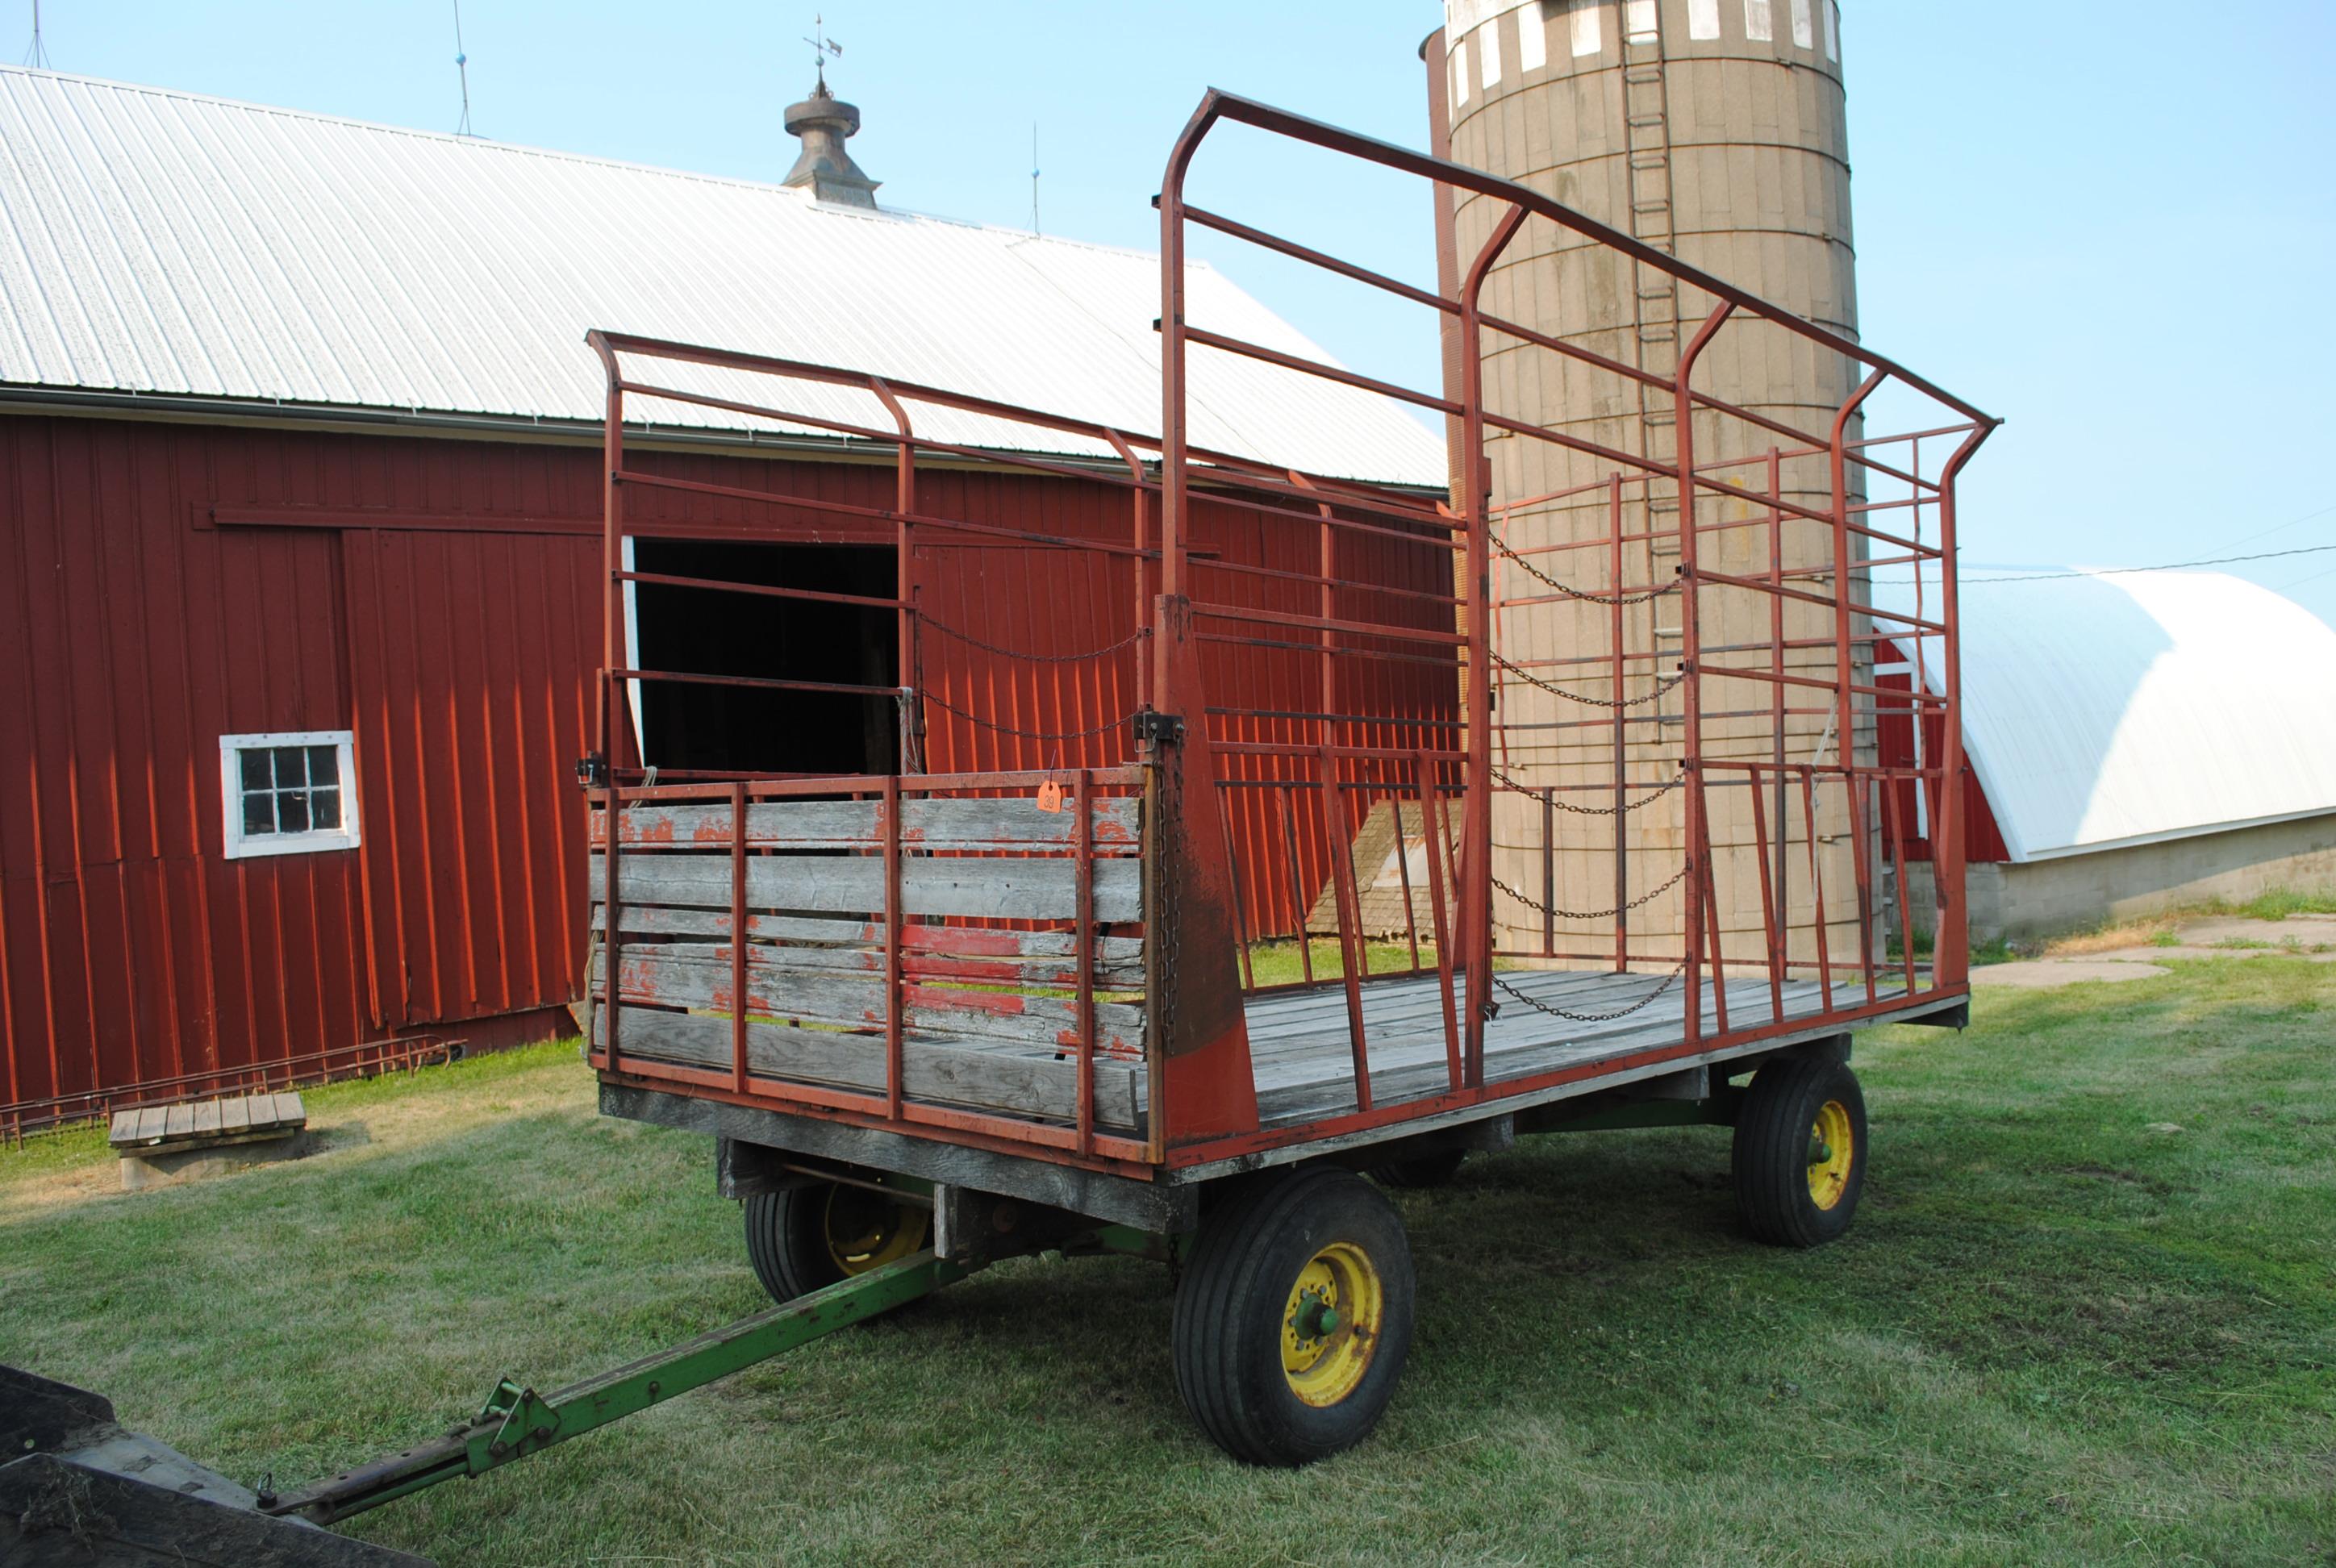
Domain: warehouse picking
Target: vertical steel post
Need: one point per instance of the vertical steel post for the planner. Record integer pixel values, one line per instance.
(1780, 924)
(1403, 869)
(1174, 498)
(1690, 655)
(1082, 949)
(1951, 952)
(904, 671)
(1768, 892)
(1896, 828)
(1854, 785)
(895, 1031)
(1619, 687)
(1336, 825)
(615, 722)
(1711, 929)
(1548, 872)
(1816, 881)
(1432, 830)
(1845, 557)
(1241, 900)
(1140, 526)
(1475, 516)
(738, 938)
(1285, 794)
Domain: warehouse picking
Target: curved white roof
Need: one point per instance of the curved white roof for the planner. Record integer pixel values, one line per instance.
(2124, 707)
(160, 242)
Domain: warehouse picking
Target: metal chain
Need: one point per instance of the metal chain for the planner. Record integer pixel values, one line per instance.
(946, 706)
(1661, 791)
(1532, 903)
(965, 636)
(1558, 1012)
(1526, 674)
(1585, 597)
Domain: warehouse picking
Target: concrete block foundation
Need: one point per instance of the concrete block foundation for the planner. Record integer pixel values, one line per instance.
(2070, 892)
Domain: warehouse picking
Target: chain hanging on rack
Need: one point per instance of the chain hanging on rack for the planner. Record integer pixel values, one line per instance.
(973, 641)
(1570, 591)
(1555, 690)
(1660, 790)
(1533, 903)
(1571, 1017)
(946, 706)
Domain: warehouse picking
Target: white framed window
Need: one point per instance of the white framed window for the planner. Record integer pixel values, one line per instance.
(289, 792)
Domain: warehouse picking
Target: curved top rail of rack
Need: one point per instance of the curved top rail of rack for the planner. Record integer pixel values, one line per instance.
(1732, 502)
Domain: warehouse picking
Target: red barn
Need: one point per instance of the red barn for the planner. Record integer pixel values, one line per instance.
(299, 573)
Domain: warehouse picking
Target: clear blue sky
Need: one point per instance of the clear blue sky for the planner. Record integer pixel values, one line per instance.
(2111, 223)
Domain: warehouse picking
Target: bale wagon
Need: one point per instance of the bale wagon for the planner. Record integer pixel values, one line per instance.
(1202, 985)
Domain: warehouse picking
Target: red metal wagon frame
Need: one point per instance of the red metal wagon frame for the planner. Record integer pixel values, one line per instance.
(1199, 1096)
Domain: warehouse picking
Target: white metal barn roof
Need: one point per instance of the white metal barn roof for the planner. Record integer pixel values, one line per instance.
(160, 242)
(2119, 708)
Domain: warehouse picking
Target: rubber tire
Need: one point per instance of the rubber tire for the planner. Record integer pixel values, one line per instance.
(1422, 1171)
(1229, 1310)
(786, 1245)
(1772, 1149)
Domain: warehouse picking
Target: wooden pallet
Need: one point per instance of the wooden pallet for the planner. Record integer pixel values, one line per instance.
(211, 1123)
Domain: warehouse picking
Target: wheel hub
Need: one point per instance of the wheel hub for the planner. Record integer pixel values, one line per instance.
(1330, 1324)
(865, 1230)
(1831, 1154)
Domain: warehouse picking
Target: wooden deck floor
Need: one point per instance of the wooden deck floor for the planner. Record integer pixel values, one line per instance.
(1305, 1067)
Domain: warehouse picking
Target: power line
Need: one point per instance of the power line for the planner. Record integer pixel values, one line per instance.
(2171, 566)
(2282, 528)
(2300, 581)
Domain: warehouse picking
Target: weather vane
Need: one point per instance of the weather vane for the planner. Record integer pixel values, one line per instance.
(823, 47)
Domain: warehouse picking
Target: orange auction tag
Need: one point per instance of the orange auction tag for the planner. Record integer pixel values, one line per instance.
(1050, 796)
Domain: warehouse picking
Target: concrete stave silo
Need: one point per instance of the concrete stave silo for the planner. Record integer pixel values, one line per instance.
(1712, 131)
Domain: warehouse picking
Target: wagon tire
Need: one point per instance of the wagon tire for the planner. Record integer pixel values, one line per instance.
(1799, 1154)
(1294, 1317)
(801, 1239)
(1421, 1170)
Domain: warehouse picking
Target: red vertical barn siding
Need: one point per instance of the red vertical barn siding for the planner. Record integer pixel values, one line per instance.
(135, 633)
(163, 584)
(468, 703)
(1983, 838)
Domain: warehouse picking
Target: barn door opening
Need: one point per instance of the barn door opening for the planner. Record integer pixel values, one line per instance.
(761, 730)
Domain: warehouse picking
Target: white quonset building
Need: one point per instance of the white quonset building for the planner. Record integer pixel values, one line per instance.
(2136, 740)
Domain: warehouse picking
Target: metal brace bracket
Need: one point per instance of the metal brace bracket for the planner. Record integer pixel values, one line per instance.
(1153, 727)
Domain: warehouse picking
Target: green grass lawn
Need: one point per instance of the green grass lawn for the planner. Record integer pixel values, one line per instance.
(2060, 1333)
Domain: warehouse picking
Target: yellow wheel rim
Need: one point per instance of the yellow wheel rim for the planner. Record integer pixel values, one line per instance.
(865, 1230)
(1331, 1325)
(1832, 1150)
